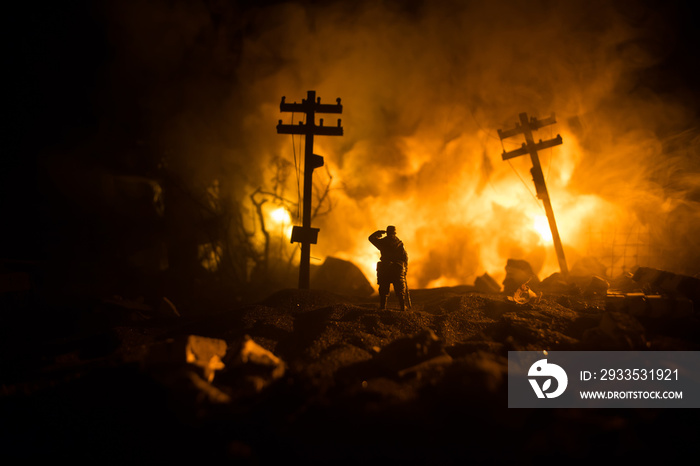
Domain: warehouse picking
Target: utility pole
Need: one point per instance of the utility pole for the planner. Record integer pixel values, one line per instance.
(310, 106)
(526, 127)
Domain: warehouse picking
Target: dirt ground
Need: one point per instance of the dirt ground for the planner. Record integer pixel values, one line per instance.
(351, 383)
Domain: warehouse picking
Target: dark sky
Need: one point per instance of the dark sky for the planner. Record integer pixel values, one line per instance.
(60, 56)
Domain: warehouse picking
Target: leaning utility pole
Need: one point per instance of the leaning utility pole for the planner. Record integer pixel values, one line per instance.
(305, 234)
(526, 127)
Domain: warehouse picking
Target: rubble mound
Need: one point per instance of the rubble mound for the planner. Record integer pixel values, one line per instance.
(320, 377)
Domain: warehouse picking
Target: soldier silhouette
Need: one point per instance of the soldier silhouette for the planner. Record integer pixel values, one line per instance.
(392, 265)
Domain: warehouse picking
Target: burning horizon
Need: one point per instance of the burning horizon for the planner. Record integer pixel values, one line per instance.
(425, 86)
(424, 93)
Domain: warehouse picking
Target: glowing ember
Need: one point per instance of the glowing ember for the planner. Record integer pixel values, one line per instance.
(281, 216)
(281, 222)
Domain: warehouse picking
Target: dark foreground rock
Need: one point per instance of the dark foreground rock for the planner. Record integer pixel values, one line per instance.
(321, 378)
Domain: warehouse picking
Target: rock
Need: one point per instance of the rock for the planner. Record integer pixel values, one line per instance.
(624, 284)
(682, 286)
(251, 368)
(524, 295)
(341, 277)
(486, 284)
(631, 303)
(617, 331)
(530, 330)
(517, 273)
(405, 353)
(648, 278)
(670, 284)
(555, 283)
(204, 353)
(597, 286)
(496, 308)
(251, 353)
(670, 308)
(650, 306)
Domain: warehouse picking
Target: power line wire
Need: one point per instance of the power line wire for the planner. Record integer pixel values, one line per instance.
(521, 179)
(297, 168)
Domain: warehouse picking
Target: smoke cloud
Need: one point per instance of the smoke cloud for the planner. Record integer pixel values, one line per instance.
(425, 85)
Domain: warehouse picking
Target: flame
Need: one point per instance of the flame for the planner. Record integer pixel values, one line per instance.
(541, 226)
(454, 232)
(282, 220)
(281, 216)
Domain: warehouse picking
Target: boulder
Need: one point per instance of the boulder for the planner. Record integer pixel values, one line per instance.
(669, 284)
(203, 355)
(250, 368)
(555, 283)
(408, 354)
(625, 284)
(486, 284)
(597, 286)
(617, 331)
(341, 277)
(518, 272)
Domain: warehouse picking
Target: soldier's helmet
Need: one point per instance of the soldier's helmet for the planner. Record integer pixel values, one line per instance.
(391, 230)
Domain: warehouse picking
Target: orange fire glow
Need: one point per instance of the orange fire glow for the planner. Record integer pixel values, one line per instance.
(424, 91)
(282, 219)
(278, 224)
(420, 149)
(541, 226)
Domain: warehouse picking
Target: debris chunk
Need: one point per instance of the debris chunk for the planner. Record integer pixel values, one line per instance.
(251, 367)
(342, 277)
(654, 281)
(597, 286)
(206, 353)
(203, 353)
(518, 272)
(650, 306)
(486, 284)
(617, 331)
(556, 284)
(405, 355)
(624, 284)
(525, 295)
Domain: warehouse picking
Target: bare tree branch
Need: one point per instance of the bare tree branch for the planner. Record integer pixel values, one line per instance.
(323, 196)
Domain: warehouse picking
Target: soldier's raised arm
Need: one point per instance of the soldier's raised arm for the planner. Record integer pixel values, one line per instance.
(375, 237)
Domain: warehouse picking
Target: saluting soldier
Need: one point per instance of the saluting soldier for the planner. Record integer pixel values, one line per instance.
(392, 265)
